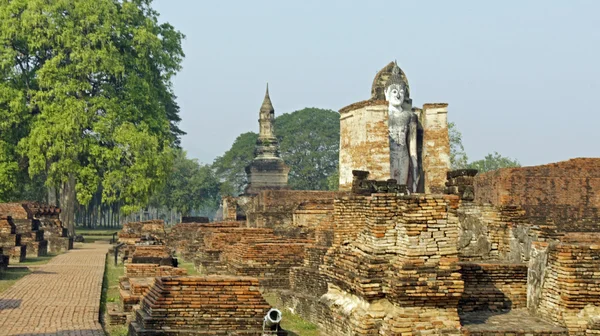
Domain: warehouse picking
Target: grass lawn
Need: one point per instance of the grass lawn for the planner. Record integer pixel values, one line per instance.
(91, 235)
(188, 265)
(291, 322)
(110, 292)
(16, 271)
(96, 232)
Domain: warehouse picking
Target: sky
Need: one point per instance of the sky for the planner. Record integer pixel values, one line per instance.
(521, 77)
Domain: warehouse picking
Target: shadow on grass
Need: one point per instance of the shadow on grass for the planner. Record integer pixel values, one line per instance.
(37, 260)
(12, 275)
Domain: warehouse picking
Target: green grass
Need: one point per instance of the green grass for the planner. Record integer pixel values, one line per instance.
(110, 292)
(12, 275)
(91, 239)
(96, 232)
(92, 235)
(188, 265)
(15, 272)
(291, 322)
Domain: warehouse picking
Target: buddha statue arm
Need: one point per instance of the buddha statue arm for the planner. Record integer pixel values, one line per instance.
(412, 150)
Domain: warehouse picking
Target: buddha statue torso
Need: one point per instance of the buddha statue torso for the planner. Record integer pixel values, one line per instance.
(402, 127)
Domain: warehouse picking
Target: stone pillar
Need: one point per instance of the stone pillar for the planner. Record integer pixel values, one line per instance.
(436, 147)
(229, 209)
(364, 141)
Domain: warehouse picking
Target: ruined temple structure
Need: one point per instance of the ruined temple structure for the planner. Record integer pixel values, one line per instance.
(34, 225)
(144, 254)
(267, 171)
(508, 252)
(365, 140)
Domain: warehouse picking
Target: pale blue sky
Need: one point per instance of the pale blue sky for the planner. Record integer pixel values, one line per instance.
(521, 77)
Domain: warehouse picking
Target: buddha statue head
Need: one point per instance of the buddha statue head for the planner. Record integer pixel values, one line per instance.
(396, 89)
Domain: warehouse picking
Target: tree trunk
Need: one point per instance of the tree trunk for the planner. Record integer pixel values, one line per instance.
(52, 196)
(67, 204)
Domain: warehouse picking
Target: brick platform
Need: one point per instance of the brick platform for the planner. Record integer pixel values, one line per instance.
(212, 305)
(61, 297)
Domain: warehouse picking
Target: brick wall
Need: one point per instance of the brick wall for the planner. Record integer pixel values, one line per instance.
(275, 208)
(436, 147)
(570, 282)
(204, 305)
(151, 270)
(493, 286)
(566, 192)
(364, 141)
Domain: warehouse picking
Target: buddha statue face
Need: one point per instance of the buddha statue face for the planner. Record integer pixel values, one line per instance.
(395, 94)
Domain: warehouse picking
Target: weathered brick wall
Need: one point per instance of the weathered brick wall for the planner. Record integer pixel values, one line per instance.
(349, 218)
(489, 232)
(229, 206)
(204, 305)
(566, 192)
(400, 272)
(132, 232)
(311, 213)
(570, 282)
(152, 270)
(275, 208)
(493, 286)
(187, 238)
(364, 141)
(269, 261)
(436, 147)
(215, 241)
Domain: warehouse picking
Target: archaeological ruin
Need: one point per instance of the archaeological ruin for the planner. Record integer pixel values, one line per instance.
(508, 252)
(406, 246)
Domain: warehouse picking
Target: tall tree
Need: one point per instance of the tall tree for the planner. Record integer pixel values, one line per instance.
(309, 140)
(189, 186)
(88, 83)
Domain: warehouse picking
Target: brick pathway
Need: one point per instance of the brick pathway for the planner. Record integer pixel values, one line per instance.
(59, 298)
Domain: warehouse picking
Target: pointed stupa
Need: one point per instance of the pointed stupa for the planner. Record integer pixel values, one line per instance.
(267, 170)
(267, 106)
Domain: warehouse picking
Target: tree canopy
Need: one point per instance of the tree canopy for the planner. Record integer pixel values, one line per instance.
(189, 186)
(86, 98)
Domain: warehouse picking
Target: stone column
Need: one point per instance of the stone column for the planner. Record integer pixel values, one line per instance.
(436, 147)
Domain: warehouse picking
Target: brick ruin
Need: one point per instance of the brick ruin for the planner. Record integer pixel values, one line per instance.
(375, 261)
(143, 252)
(30, 229)
(509, 252)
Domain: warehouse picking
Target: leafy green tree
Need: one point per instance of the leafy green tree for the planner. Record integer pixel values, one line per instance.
(189, 186)
(230, 167)
(458, 157)
(86, 86)
(308, 142)
(492, 162)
